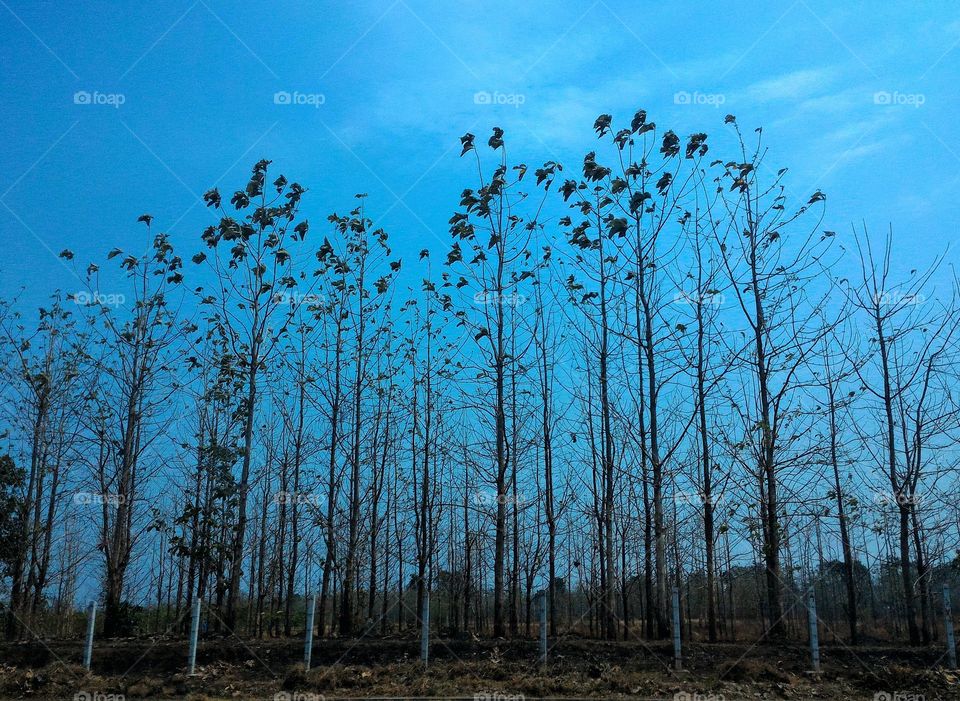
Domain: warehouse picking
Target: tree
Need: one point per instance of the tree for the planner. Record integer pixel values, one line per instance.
(908, 368)
(365, 249)
(496, 239)
(835, 371)
(770, 274)
(248, 304)
(44, 373)
(135, 365)
(11, 529)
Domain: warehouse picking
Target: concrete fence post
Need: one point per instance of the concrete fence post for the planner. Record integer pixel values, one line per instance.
(948, 627)
(814, 633)
(425, 628)
(91, 624)
(543, 627)
(194, 632)
(677, 659)
(308, 642)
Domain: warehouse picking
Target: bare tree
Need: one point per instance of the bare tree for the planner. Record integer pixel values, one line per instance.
(135, 362)
(908, 369)
(490, 224)
(248, 301)
(770, 271)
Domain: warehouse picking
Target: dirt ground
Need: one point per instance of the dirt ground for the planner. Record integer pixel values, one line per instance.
(482, 670)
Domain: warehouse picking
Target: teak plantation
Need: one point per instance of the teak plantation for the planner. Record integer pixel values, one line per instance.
(622, 376)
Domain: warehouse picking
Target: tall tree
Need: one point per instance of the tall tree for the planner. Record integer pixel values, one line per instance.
(135, 362)
(907, 369)
(493, 267)
(770, 270)
(246, 301)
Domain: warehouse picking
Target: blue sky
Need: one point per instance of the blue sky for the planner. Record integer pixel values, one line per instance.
(859, 99)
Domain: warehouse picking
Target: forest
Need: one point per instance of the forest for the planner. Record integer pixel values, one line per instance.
(655, 369)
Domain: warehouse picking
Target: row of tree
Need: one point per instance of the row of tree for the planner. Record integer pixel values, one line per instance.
(658, 371)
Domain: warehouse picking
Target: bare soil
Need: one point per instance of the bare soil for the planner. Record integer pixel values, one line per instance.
(466, 668)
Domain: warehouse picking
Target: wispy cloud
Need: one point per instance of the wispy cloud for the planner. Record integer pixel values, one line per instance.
(794, 86)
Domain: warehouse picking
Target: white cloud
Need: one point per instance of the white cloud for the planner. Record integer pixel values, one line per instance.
(797, 85)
